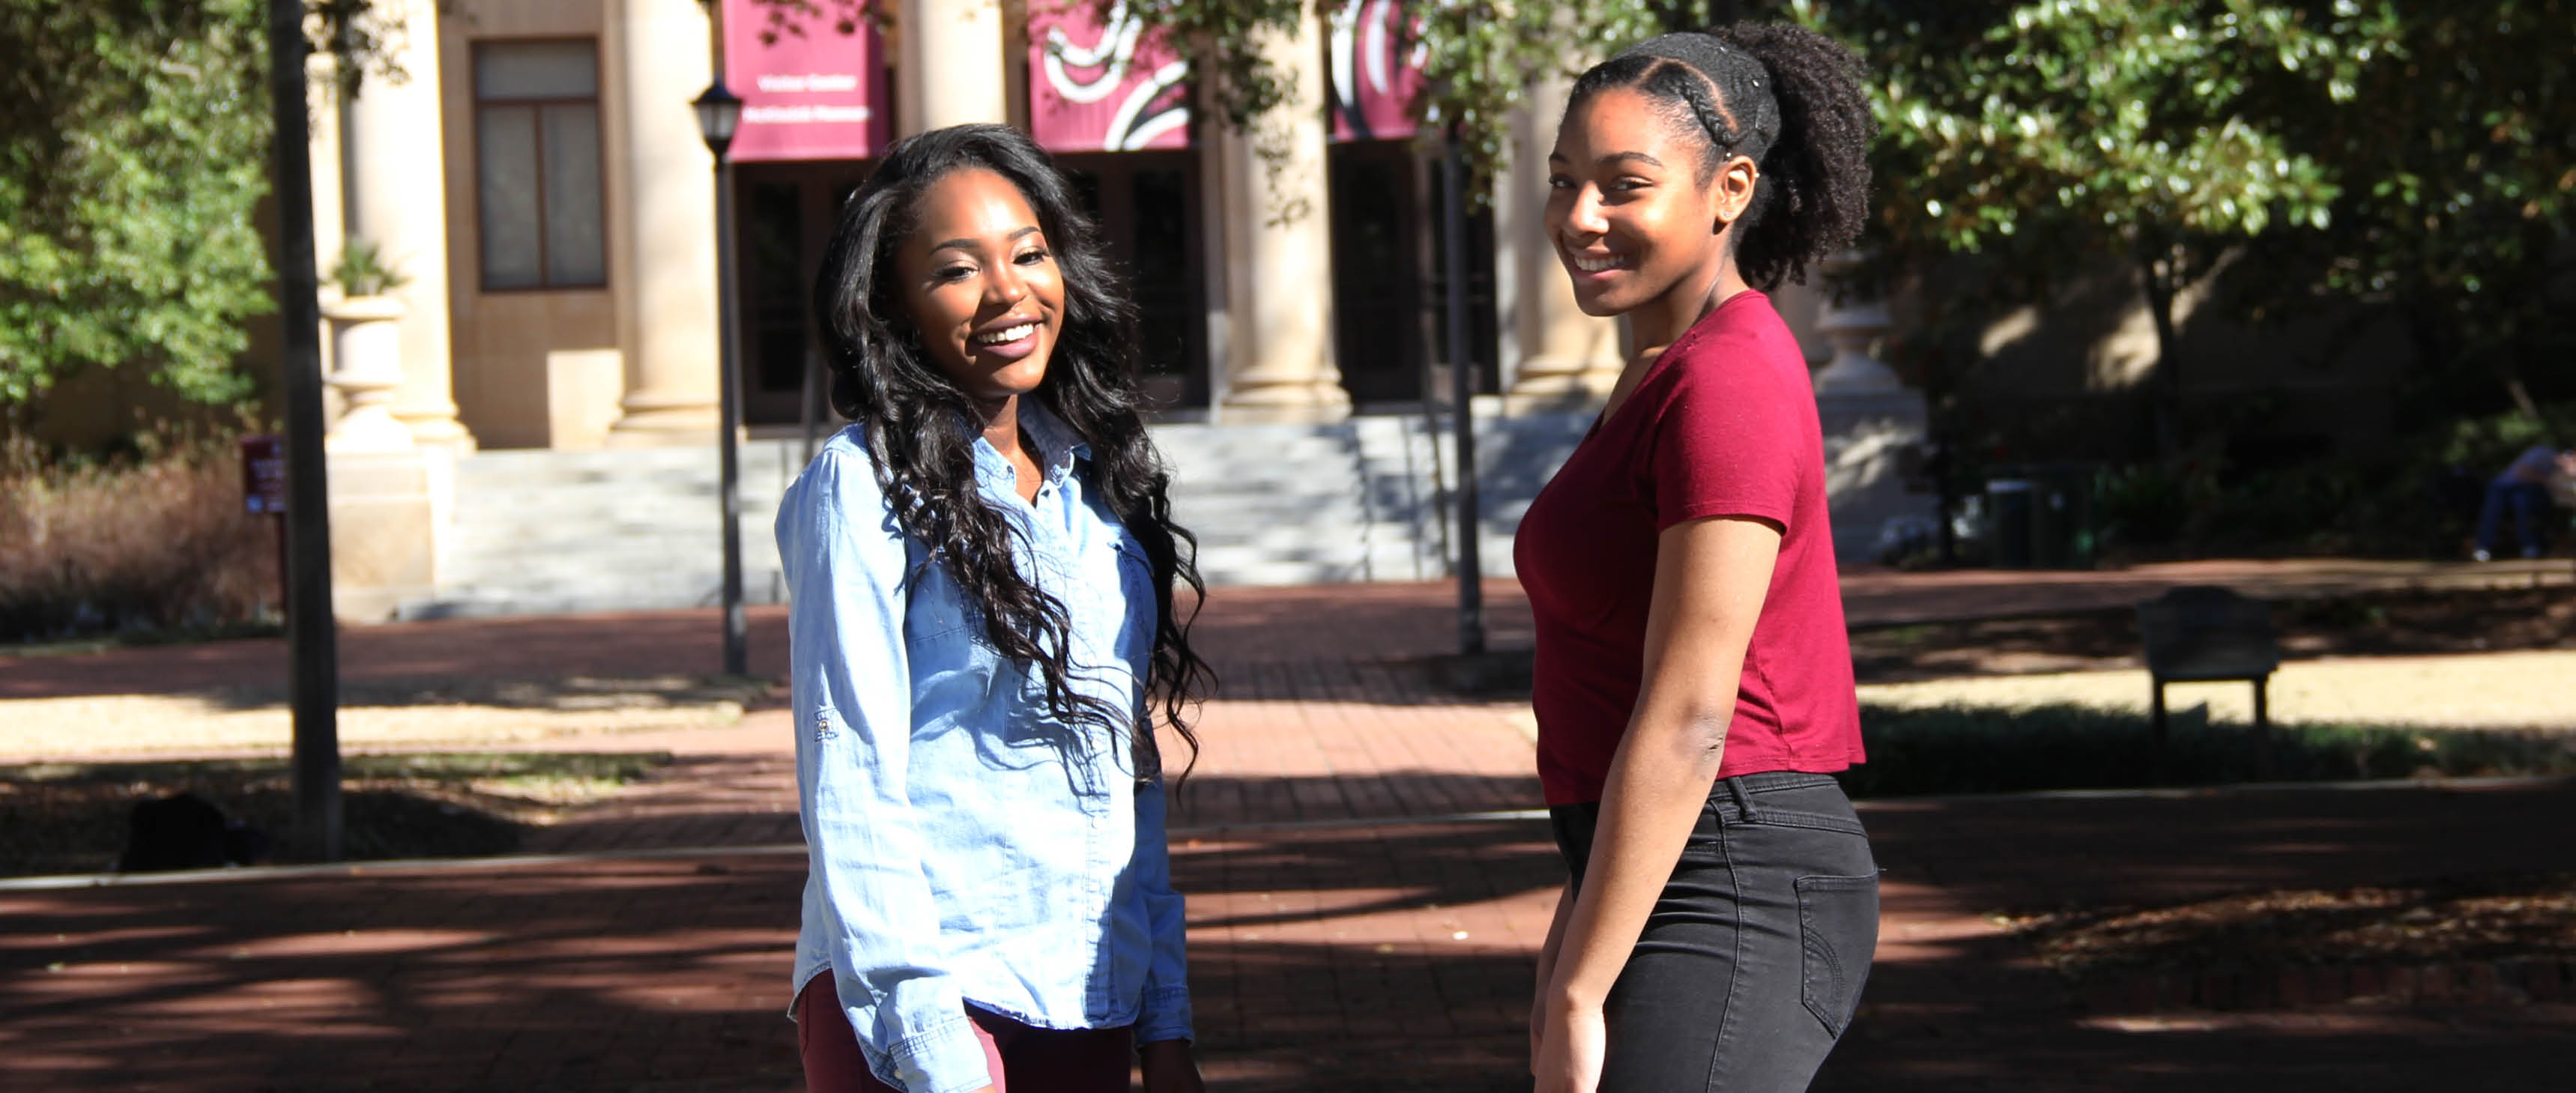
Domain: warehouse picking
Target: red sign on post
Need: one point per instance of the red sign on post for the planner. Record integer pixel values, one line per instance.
(812, 82)
(1103, 88)
(263, 474)
(1376, 71)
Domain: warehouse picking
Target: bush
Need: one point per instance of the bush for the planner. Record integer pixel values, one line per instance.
(1964, 749)
(157, 541)
(2415, 496)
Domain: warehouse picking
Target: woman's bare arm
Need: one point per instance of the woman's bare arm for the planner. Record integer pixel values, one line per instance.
(1710, 579)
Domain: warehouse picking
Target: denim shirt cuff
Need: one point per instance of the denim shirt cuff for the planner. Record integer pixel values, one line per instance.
(943, 1058)
(1166, 1016)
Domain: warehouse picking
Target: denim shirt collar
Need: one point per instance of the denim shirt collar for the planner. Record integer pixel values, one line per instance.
(1058, 448)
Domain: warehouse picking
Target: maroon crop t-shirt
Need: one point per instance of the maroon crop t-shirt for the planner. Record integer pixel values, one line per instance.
(1723, 424)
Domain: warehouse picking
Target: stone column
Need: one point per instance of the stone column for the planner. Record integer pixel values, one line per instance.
(1566, 355)
(1276, 212)
(951, 71)
(663, 247)
(397, 199)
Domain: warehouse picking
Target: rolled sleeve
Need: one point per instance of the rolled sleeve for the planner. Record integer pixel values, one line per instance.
(846, 568)
(1165, 1014)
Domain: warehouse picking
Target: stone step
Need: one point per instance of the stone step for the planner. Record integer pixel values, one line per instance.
(1354, 500)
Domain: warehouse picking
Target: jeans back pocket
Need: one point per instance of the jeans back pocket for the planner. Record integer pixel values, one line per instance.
(1838, 933)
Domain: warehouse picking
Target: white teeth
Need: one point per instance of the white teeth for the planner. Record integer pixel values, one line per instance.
(1007, 334)
(1596, 265)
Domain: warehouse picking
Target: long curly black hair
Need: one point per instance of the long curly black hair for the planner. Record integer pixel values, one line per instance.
(1784, 96)
(922, 428)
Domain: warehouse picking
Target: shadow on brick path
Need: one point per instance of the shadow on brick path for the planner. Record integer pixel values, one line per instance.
(1388, 957)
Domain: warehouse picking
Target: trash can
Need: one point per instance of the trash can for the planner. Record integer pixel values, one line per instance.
(2043, 516)
(2009, 521)
(2063, 531)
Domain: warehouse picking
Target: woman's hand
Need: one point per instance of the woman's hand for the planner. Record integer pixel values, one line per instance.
(1170, 1068)
(1570, 1048)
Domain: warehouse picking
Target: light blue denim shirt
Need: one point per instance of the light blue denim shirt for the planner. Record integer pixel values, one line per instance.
(963, 844)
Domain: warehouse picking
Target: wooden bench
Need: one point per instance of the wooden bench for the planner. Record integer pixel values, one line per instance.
(2204, 634)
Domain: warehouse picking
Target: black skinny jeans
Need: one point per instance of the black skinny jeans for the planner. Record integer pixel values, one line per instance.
(1752, 962)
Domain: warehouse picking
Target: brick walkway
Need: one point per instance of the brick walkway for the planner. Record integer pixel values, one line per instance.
(1346, 933)
(1346, 623)
(1387, 957)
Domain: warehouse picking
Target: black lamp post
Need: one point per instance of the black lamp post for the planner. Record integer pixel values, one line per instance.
(719, 111)
(312, 635)
(1462, 379)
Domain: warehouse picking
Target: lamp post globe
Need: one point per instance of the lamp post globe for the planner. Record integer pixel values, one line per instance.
(719, 111)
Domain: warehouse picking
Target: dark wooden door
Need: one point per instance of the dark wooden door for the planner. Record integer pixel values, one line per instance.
(1147, 205)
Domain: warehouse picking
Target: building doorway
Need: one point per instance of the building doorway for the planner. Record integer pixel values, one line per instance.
(783, 213)
(1147, 205)
(1390, 289)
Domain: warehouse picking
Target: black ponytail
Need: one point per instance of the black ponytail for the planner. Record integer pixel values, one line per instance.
(1789, 99)
(1817, 169)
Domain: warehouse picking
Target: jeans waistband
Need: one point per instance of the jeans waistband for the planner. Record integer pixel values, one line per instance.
(1770, 780)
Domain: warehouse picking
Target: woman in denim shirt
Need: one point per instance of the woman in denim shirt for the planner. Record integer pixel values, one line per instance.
(980, 574)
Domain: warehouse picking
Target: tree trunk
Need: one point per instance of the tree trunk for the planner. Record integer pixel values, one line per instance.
(2154, 266)
(2521, 394)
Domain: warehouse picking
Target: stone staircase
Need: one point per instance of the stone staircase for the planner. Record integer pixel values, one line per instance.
(544, 532)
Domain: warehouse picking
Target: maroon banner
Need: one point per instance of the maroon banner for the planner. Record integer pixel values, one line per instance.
(813, 84)
(1375, 70)
(1103, 87)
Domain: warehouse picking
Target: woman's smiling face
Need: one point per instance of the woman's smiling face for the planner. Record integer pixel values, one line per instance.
(982, 284)
(1628, 210)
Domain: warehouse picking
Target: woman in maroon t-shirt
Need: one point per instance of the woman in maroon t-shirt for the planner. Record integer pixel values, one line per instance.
(1694, 681)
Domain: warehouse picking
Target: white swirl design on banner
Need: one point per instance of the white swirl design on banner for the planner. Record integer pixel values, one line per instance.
(1131, 127)
(1363, 44)
(1139, 129)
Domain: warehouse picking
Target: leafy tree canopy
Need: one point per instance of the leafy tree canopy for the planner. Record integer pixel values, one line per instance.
(2457, 156)
(133, 141)
(2126, 118)
(2048, 134)
(2416, 154)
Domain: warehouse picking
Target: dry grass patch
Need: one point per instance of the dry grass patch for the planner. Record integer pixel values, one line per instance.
(2448, 921)
(71, 817)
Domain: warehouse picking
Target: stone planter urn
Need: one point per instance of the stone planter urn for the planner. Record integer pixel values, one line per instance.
(1854, 326)
(1875, 427)
(366, 352)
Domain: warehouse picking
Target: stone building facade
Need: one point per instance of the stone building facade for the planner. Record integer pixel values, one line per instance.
(538, 175)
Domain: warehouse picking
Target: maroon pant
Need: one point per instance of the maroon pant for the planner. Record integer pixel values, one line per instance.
(1031, 1060)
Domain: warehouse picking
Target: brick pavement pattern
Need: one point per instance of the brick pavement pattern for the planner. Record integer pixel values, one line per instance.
(1394, 956)
(1347, 930)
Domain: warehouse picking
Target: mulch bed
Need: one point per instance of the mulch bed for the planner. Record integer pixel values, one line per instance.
(71, 818)
(2465, 940)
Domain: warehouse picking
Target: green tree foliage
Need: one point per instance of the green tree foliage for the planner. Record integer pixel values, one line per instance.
(2052, 133)
(133, 149)
(2457, 157)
